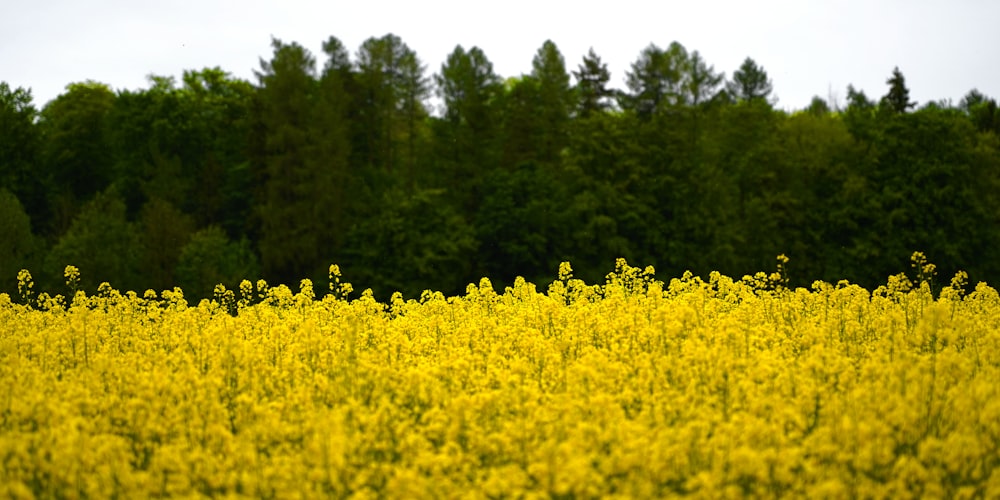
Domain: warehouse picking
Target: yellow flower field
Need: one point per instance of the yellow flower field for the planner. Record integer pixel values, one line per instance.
(633, 389)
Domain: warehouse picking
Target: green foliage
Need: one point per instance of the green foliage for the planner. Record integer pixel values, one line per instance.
(702, 82)
(592, 92)
(20, 144)
(519, 223)
(750, 83)
(76, 157)
(288, 241)
(931, 191)
(982, 111)
(164, 231)
(466, 134)
(188, 181)
(210, 258)
(521, 130)
(898, 98)
(102, 243)
(411, 243)
(306, 170)
(656, 79)
(548, 68)
(818, 106)
(391, 92)
(18, 245)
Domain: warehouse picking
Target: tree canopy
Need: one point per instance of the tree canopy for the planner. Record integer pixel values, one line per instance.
(211, 178)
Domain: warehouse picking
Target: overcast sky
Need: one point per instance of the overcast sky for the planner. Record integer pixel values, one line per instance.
(943, 48)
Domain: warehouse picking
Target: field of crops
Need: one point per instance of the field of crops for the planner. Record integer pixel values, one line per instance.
(715, 388)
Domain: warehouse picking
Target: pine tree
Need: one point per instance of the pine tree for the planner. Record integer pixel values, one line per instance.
(593, 94)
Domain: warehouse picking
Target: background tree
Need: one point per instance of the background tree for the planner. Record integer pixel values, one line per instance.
(330, 154)
(415, 86)
(898, 98)
(466, 134)
(520, 224)
(19, 151)
(163, 232)
(818, 107)
(210, 258)
(932, 191)
(982, 111)
(19, 247)
(548, 68)
(521, 130)
(411, 243)
(345, 166)
(219, 107)
(151, 153)
(102, 243)
(77, 158)
(821, 194)
(702, 82)
(656, 79)
(592, 92)
(860, 116)
(291, 223)
(392, 88)
(750, 83)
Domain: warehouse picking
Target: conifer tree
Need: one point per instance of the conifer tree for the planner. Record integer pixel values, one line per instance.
(656, 79)
(702, 82)
(297, 186)
(556, 99)
(593, 94)
(470, 90)
(392, 88)
(750, 83)
(331, 150)
(898, 98)
(646, 82)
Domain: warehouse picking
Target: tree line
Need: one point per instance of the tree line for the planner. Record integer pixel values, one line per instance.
(213, 179)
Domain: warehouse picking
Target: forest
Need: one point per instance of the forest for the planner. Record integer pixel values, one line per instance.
(213, 179)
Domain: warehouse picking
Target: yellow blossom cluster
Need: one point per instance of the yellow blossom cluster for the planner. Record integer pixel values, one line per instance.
(632, 389)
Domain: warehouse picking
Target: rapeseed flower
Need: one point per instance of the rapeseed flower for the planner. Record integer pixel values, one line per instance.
(632, 387)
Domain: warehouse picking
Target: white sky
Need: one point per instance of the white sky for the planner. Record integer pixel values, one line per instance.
(943, 48)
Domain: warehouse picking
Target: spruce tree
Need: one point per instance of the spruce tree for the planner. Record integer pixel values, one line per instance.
(556, 99)
(898, 98)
